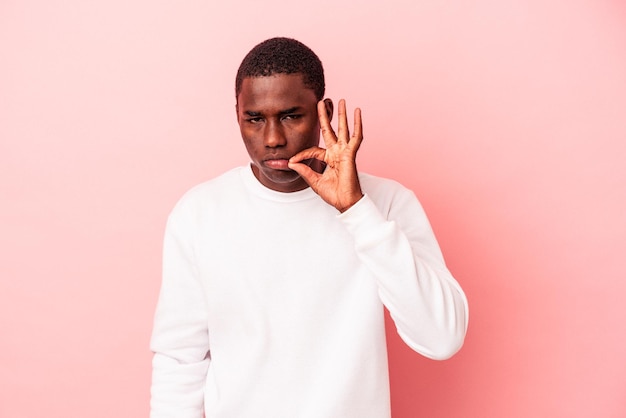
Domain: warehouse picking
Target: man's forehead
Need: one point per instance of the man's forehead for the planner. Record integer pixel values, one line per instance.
(275, 87)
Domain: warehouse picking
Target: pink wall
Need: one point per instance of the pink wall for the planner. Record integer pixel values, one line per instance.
(508, 118)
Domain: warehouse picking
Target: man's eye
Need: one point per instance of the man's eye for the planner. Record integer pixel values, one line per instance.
(254, 120)
(291, 117)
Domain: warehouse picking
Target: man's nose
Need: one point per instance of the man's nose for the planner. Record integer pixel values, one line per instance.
(274, 135)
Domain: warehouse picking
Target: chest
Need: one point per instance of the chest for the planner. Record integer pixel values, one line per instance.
(267, 256)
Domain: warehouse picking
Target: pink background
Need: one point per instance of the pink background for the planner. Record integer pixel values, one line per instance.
(508, 119)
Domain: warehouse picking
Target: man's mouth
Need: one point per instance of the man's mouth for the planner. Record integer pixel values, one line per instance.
(277, 164)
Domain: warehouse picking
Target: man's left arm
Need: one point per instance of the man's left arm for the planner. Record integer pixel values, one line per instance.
(426, 303)
(428, 306)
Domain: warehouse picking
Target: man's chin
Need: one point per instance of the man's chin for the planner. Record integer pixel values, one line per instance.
(282, 176)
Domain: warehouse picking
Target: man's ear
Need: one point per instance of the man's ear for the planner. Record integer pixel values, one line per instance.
(328, 104)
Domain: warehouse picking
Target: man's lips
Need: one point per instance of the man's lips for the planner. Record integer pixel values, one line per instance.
(277, 163)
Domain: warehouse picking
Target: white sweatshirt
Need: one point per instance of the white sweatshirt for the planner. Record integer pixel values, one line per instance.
(272, 303)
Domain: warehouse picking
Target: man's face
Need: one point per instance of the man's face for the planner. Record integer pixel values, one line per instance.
(277, 116)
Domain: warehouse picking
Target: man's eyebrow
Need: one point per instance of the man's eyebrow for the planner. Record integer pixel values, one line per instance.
(290, 110)
(254, 113)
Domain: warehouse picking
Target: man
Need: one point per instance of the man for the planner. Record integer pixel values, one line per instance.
(275, 275)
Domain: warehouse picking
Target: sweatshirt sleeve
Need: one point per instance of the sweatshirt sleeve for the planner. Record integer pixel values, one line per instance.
(180, 339)
(397, 245)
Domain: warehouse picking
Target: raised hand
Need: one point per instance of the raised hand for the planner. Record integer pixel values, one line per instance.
(339, 184)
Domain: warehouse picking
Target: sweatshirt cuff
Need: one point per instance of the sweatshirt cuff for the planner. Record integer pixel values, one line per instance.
(365, 223)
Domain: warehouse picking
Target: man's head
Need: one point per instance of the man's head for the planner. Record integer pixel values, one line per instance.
(282, 56)
(278, 87)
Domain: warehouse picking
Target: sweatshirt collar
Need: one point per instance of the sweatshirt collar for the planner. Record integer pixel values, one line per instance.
(257, 188)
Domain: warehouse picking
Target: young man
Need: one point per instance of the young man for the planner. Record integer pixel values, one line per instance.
(275, 274)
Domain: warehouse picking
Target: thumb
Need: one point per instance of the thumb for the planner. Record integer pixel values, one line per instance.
(306, 172)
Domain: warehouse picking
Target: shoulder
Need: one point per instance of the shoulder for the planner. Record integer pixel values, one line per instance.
(382, 188)
(201, 197)
(390, 196)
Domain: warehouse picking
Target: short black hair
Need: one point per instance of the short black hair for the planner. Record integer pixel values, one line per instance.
(283, 56)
